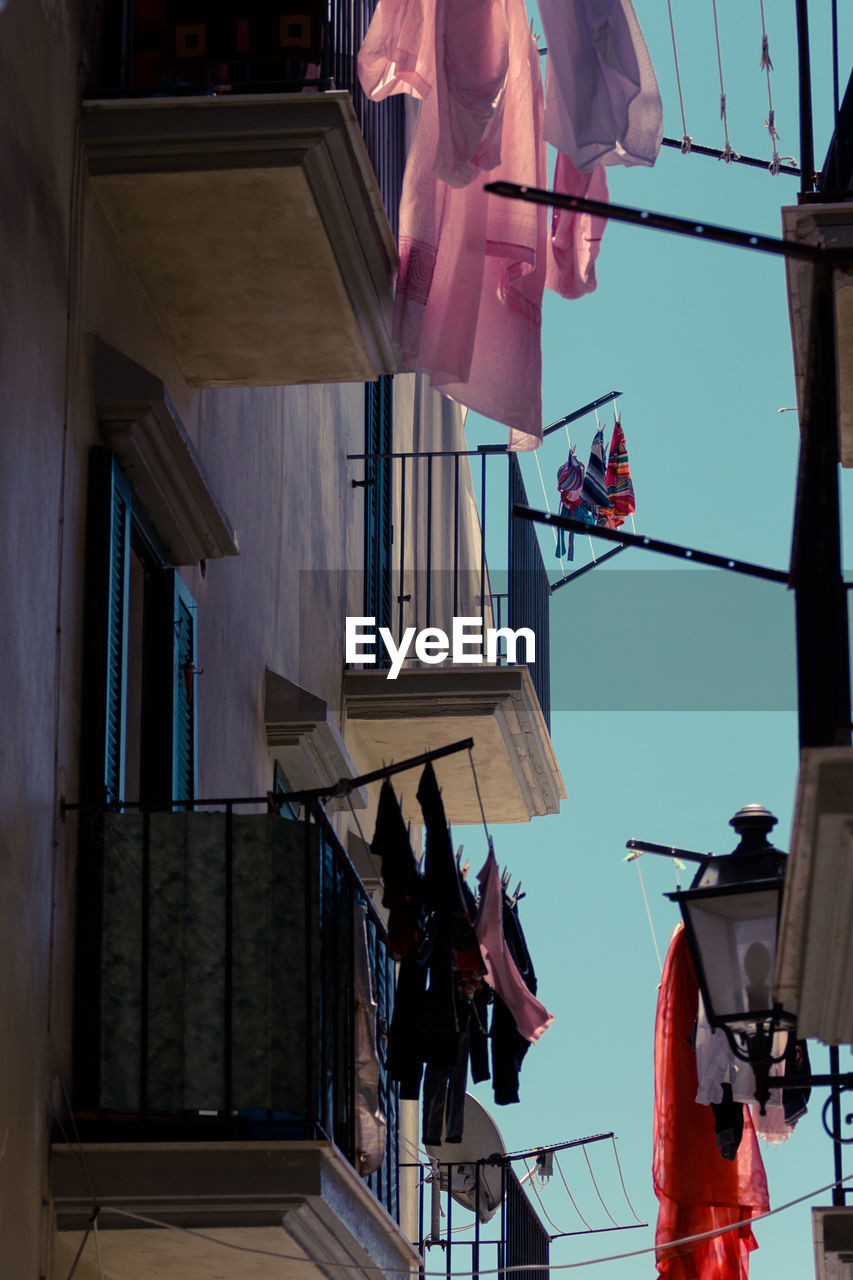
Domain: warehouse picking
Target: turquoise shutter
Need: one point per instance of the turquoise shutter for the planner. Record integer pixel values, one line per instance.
(184, 687)
(104, 690)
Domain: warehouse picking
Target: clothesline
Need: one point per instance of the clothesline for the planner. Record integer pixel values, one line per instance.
(443, 1274)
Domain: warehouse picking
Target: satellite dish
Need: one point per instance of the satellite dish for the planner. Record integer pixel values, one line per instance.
(481, 1139)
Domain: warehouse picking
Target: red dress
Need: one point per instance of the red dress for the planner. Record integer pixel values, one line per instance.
(698, 1190)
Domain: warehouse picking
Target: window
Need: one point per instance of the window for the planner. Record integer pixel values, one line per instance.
(378, 500)
(139, 677)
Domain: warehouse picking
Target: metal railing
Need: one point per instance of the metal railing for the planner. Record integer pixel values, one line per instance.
(215, 982)
(513, 1238)
(452, 522)
(134, 57)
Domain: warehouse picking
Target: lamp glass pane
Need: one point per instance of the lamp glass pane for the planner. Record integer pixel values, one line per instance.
(736, 937)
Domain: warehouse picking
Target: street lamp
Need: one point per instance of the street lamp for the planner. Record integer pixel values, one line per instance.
(731, 914)
(731, 917)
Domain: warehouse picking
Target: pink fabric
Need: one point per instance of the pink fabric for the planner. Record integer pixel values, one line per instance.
(575, 238)
(529, 1014)
(472, 267)
(602, 104)
(472, 65)
(398, 52)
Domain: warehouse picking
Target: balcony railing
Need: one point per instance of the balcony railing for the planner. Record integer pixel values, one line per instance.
(222, 49)
(513, 1243)
(216, 987)
(452, 519)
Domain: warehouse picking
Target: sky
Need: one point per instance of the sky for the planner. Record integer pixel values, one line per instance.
(671, 709)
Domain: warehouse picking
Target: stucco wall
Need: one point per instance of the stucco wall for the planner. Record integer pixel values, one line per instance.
(276, 458)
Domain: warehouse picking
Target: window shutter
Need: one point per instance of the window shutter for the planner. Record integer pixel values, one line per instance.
(184, 685)
(117, 610)
(105, 637)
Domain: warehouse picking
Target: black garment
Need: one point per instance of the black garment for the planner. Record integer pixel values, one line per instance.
(436, 1024)
(795, 1101)
(728, 1123)
(405, 1062)
(508, 1045)
(444, 1097)
(403, 890)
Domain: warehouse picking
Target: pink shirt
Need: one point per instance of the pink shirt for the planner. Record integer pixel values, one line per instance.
(530, 1015)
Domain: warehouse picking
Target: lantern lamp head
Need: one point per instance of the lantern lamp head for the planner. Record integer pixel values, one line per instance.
(731, 915)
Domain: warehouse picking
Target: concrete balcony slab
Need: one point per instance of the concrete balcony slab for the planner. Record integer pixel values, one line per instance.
(428, 707)
(257, 229)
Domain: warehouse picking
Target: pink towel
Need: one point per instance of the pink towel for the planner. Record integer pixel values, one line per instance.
(529, 1014)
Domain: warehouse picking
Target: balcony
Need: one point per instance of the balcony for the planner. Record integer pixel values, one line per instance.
(219, 1048)
(814, 963)
(829, 225)
(250, 187)
(826, 219)
(427, 563)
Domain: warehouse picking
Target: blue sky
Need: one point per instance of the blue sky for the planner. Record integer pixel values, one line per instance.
(696, 336)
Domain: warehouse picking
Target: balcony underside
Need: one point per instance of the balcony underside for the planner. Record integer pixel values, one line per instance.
(256, 227)
(299, 1199)
(424, 708)
(830, 225)
(814, 963)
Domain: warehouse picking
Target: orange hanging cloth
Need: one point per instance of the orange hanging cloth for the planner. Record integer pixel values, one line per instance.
(698, 1190)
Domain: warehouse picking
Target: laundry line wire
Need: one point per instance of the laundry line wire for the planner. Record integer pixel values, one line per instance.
(483, 1271)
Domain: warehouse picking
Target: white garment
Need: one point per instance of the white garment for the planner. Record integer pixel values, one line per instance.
(602, 104)
(716, 1065)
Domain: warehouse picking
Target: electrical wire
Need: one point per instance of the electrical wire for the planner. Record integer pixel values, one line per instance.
(649, 914)
(374, 862)
(98, 1249)
(492, 1271)
(479, 798)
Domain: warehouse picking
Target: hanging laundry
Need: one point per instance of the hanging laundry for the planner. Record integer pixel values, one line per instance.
(508, 1045)
(575, 238)
(529, 1014)
(697, 1189)
(402, 888)
(472, 48)
(472, 267)
(456, 50)
(569, 483)
(594, 492)
(370, 1127)
(719, 1069)
(602, 104)
(620, 489)
(456, 969)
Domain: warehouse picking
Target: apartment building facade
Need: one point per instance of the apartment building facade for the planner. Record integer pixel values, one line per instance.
(199, 408)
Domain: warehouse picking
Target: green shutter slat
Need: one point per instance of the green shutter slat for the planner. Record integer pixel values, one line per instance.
(117, 614)
(184, 689)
